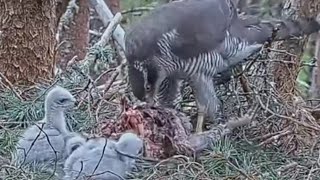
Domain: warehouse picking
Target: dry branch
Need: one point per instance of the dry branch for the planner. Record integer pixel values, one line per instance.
(110, 29)
(106, 15)
(9, 85)
(90, 57)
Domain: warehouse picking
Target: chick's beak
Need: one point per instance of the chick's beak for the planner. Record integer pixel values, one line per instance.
(73, 101)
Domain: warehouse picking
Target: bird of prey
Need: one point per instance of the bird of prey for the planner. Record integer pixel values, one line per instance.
(194, 40)
(44, 143)
(99, 158)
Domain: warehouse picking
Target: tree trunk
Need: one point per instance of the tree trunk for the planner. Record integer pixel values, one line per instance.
(114, 5)
(74, 33)
(27, 40)
(61, 9)
(315, 82)
(285, 74)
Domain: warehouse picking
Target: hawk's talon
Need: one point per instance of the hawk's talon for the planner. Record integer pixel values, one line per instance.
(199, 122)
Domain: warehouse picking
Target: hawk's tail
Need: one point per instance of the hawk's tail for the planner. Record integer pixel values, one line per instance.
(278, 29)
(286, 29)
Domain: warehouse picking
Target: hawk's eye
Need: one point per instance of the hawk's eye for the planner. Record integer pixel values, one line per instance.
(148, 87)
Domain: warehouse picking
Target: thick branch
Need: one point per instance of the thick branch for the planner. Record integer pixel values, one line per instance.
(105, 15)
(111, 28)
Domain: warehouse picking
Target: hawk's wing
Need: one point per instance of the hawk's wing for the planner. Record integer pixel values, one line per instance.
(201, 26)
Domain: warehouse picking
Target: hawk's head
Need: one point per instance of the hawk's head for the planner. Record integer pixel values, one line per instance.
(142, 79)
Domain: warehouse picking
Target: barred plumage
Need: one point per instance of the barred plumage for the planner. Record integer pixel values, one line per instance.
(195, 40)
(169, 94)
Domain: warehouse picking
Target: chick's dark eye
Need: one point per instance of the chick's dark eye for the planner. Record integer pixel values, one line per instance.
(75, 147)
(61, 101)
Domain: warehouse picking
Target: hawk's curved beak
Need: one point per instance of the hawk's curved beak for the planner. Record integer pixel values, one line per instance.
(150, 100)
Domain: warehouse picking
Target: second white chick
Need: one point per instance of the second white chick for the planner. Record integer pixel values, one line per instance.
(100, 158)
(73, 141)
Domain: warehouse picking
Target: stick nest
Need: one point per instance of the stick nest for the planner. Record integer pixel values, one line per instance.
(286, 127)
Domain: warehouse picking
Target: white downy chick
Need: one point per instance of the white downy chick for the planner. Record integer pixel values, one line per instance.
(44, 143)
(100, 158)
(73, 141)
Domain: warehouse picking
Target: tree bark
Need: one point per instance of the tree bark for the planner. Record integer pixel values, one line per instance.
(285, 74)
(74, 33)
(27, 40)
(315, 82)
(61, 9)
